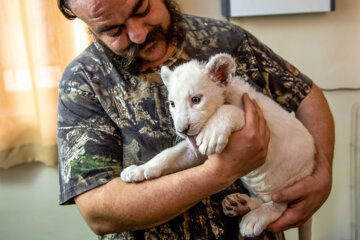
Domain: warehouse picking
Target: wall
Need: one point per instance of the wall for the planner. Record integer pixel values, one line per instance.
(29, 206)
(325, 46)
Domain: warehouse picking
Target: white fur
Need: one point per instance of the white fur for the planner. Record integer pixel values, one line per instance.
(210, 121)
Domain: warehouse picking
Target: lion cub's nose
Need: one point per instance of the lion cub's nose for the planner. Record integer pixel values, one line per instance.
(184, 130)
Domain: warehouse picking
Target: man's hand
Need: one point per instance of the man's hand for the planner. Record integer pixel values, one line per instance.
(247, 148)
(304, 199)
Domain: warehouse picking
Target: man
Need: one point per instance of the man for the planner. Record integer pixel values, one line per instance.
(113, 113)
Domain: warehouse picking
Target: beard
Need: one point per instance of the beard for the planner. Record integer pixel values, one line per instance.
(131, 62)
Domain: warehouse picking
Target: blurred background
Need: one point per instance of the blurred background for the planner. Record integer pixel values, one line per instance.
(36, 44)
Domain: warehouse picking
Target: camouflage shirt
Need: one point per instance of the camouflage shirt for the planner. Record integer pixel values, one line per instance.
(109, 119)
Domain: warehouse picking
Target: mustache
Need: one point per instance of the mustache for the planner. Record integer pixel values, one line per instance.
(134, 49)
(131, 61)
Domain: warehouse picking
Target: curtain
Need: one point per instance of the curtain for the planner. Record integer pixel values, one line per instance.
(36, 44)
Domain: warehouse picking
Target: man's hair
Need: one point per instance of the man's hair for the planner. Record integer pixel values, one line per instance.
(64, 7)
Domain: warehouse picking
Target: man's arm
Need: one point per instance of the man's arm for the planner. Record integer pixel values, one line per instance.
(306, 196)
(118, 206)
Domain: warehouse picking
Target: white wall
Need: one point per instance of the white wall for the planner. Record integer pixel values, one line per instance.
(326, 47)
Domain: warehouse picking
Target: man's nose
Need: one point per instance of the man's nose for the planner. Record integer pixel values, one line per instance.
(136, 30)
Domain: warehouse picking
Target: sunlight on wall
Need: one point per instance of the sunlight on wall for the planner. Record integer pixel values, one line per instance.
(81, 37)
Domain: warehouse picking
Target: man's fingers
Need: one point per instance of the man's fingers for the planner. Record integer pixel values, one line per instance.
(253, 112)
(256, 125)
(265, 132)
(251, 117)
(290, 194)
(287, 221)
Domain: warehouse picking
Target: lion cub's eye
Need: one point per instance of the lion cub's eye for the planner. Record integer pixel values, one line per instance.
(195, 100)
(172, 104)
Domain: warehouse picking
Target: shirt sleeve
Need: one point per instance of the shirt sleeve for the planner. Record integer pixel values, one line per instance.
(276, 77)
(89, 142)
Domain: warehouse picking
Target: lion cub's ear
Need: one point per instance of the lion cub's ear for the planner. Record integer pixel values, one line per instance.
(165, 75)
(221, 68)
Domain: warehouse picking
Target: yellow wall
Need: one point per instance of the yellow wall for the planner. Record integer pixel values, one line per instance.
(326, 47)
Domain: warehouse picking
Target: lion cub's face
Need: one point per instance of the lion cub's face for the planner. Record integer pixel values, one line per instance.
(194, 94)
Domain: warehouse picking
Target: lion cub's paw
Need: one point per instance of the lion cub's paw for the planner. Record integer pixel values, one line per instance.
(253, 223)
(211, 140)
(236, 204)
(140, 173)
(133, 174)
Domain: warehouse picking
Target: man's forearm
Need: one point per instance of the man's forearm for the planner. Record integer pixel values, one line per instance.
(118, 206)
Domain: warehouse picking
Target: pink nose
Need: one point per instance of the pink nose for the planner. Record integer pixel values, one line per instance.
(184, 130)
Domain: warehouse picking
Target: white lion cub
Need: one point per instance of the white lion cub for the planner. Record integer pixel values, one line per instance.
(197, 93)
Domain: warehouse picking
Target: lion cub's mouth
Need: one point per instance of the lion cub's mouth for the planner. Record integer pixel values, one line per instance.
(193, 141)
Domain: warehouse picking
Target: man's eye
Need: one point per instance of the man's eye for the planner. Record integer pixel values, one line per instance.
(115, 32)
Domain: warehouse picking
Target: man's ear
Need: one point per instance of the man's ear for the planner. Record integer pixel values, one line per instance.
(165, 75)
(221, 68)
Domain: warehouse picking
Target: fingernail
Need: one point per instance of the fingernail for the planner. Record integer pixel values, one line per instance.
(276, 198)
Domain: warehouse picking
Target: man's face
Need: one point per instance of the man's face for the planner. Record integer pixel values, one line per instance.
(138, 26)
